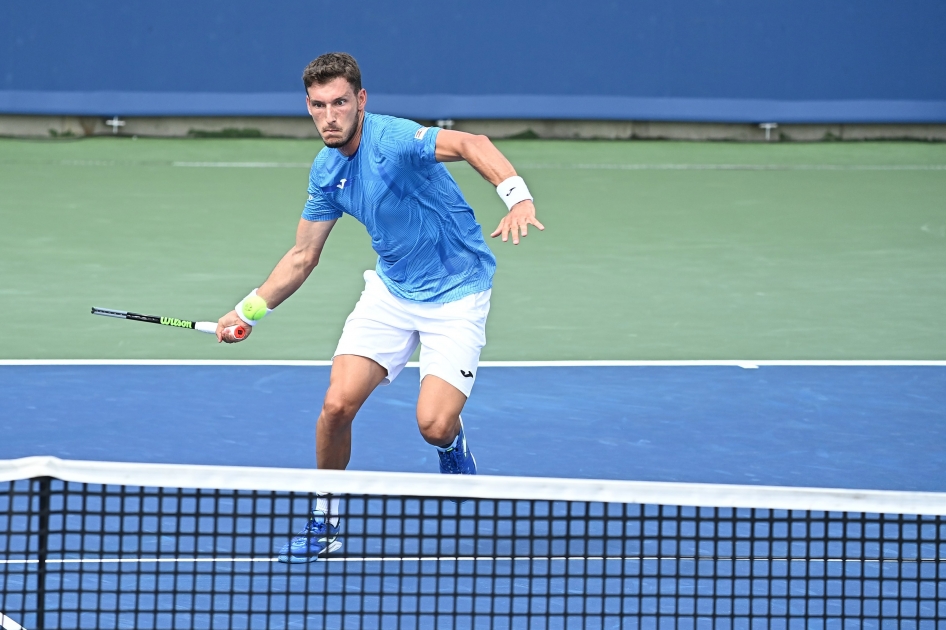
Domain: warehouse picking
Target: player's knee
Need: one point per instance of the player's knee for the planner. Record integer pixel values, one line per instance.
(337, 411)
(438, 428)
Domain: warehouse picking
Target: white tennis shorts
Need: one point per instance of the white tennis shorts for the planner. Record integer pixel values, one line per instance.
(387, 329)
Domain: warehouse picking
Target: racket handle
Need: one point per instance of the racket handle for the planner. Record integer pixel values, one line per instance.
(238, 331)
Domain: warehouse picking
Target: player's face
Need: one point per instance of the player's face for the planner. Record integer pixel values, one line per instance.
(336, 111)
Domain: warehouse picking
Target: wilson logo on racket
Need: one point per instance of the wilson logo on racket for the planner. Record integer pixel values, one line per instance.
(170, 321)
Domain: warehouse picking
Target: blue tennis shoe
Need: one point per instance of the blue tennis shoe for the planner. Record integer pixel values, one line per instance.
(457, 460)
(318, 539)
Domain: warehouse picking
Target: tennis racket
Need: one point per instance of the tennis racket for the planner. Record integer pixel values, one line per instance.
(238, 332)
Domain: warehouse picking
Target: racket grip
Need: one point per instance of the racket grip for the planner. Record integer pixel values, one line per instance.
(206, 327)
(238, 331)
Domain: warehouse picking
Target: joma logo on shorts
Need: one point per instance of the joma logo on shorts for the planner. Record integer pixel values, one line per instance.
(170, 321)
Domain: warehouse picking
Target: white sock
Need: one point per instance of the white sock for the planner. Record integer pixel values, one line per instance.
(328, 505)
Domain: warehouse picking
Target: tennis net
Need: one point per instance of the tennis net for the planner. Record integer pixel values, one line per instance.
(110, 545)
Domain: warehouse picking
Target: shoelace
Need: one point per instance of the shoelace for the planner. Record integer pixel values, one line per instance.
(314, 527)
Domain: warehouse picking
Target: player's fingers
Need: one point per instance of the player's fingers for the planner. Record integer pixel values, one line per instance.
(497, 231)
(503, 229)
(536, 223)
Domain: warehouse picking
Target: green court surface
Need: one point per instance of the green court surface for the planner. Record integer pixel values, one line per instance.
(653, 250)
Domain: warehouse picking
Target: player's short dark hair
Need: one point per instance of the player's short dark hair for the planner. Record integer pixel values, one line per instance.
(330, 66)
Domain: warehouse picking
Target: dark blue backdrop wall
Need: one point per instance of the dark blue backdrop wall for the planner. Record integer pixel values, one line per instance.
(696, 60)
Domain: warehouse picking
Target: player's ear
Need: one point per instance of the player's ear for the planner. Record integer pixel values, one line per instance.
(362, 98)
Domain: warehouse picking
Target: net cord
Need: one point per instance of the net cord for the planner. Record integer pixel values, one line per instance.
(481, 486)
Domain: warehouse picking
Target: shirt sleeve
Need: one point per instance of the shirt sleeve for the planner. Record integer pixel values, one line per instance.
(414, 145)
(317, 207)
(423, 146)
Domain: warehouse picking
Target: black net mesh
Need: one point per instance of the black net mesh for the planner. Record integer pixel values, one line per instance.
(80, 555)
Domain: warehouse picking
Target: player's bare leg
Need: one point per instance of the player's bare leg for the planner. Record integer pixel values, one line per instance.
(438, 410)
(438, 418)
(352, 381)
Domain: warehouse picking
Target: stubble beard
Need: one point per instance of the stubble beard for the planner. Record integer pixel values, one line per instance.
(336, 144)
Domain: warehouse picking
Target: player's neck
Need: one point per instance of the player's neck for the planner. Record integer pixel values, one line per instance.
(349, 148)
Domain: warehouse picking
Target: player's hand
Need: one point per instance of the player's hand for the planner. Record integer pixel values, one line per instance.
(517, 221)
(231, 319)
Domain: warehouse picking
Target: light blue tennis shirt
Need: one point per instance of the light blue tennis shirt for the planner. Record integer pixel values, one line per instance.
(430, 247)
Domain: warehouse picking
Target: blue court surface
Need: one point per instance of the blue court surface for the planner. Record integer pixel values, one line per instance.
(492, 563)
(842, 426)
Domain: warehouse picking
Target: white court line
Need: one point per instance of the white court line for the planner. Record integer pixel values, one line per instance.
(168, 362)
(737, 167)
(365, 560)
(743, 363)
(613, 167)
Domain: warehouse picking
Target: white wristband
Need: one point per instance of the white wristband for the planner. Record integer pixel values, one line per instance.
(239, 310)
(513, 190)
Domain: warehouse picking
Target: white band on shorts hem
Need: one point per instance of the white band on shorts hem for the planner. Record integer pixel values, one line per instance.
(361, 352)
(450, 375)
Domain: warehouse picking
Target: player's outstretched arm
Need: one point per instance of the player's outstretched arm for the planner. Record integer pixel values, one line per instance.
(289, 274)
(483, 156)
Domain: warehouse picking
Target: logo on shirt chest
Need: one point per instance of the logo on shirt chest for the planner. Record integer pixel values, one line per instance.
(342, 185)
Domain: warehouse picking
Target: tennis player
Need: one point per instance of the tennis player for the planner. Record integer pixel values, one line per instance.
(432, 281)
